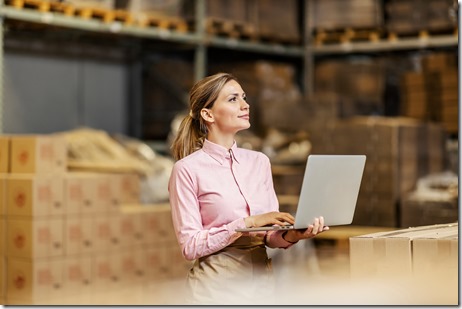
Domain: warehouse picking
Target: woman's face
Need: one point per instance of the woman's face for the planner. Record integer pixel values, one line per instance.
(230, 112)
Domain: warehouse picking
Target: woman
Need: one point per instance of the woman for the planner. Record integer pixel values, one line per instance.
(215, 188)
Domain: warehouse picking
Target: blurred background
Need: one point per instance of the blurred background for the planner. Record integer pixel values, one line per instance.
(92, 93)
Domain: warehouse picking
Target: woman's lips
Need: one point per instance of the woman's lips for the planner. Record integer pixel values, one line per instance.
(244, 117)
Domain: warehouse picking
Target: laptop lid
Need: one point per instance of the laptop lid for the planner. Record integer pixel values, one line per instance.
(330, 189)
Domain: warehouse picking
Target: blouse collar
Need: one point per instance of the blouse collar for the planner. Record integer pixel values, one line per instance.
(220, 153)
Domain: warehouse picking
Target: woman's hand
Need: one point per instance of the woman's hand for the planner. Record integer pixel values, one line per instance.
(313, 229)
(269, 218)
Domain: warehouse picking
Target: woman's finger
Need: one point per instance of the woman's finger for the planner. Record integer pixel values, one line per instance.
(315, 226)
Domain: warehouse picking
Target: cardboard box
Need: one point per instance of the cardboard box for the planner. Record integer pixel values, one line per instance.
(159, 227)
(33, 195)
(36, 279)
(391, 254)
(38, 154)
(106, 233)
(2, 235)
(3, 178)
(38, 238)
(87, 193)
(141, 272)
(127, 188)
(79, 237)
(4, 154)
(2, 279)
(437, 256)
(75, 195)
(179, 266)
(127, 230)
(156, 261)
(77, 276)
(106, 273)
(129, 265)
(106, 194)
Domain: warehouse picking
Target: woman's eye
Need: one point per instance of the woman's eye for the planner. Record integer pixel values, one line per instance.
(244, 98)
(233, 99)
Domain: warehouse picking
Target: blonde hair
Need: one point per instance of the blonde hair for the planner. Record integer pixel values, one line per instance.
(193, 128)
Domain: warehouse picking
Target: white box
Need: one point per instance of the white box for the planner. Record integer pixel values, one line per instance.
(78, 276)
(156, 261)
(106, 273)
(106, 233)
(79, 236)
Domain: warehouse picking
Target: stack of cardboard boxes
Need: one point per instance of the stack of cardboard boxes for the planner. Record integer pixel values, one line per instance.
(420, 264)
(431, 93)
(398, 150)
(412, 16)
(68, 234)
(339, 14)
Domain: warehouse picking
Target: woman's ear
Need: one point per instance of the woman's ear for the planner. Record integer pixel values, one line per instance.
(206, 114)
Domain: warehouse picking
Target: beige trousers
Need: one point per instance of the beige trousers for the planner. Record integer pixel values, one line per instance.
(240, 274)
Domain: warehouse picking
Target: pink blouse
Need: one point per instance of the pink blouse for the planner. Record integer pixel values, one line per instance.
(213, 190)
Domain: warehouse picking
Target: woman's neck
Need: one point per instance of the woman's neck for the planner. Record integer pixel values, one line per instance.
(226, 141)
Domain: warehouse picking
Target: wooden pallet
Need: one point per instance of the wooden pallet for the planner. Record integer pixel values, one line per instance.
(42, 6)
(163, 22)
(105, 15)
(229, 28)
(63, 8)
(67, 9)
(124, 17)
(322, 37)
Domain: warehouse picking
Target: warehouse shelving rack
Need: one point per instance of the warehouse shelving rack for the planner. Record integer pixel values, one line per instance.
(201, 41)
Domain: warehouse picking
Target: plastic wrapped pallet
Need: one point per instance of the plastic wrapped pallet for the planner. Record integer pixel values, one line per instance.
(432, 93)
(165, 13)
(100, 4)
(412, 16)
(340, 14)
(278, 20)
(360, 85)
(155, 7)
(225, 17)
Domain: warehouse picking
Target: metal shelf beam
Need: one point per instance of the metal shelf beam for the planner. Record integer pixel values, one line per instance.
(278, 49)
(56, 19)
(386, 45)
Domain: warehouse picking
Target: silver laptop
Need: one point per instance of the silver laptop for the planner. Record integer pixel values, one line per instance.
(330, 189)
